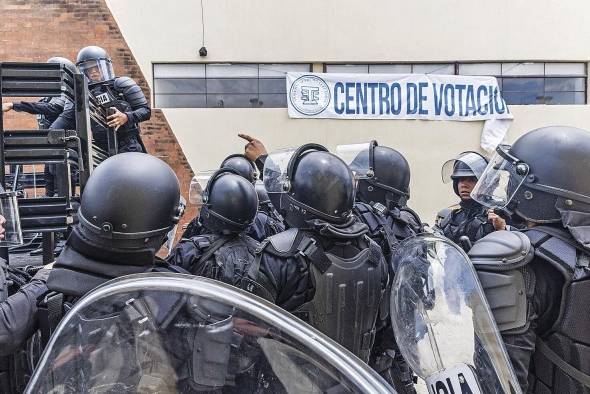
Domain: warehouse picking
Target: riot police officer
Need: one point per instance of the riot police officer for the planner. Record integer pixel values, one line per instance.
(383, 182)
(121, 95)
(222, 250)
(468, 218)
(114, 237)
(47, 110)
(265, 223)
(324, 268)
(537, 282)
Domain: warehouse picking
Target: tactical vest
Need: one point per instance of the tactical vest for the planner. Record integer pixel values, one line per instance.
(386, 228)
(455, 223)
(348, 291)
(228, 259)
(121, 93)
(562, 357)
(561, 362)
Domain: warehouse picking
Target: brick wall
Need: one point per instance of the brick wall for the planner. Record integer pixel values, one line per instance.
(35, 30)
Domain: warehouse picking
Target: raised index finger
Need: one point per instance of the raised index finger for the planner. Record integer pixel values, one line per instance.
(246, 137)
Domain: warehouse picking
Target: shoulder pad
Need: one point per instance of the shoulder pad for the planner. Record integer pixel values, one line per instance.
(410, 216)
(284, 243)
(122, 83)
(555, 246)
(501, 251)
(443, 213)
(131, 91)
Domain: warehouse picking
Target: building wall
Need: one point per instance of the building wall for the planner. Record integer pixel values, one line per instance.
(35, 30)
(343, 31)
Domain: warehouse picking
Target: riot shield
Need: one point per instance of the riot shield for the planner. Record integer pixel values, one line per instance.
(442, 322)
(173, 333)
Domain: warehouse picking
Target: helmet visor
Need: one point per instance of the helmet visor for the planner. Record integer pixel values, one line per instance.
(467, 164)
(97, 70)
(275, 170)
(501, 179)
(198, 186)
(356, 157)
(10, 230)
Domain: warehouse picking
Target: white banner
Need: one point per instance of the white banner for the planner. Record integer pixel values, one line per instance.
(401, 96)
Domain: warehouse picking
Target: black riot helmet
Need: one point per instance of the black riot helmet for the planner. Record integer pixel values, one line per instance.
(383, 176)
(229, 201)
(466, 165)
(95, 63)
(241, 165)
(130, 202)
(309, 183)
(542, 178)
(66, 63)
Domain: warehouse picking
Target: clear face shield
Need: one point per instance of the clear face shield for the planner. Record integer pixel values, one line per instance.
(356, 157)
(99, 70)
(171, 235)
(472, 160)
(198, 186)
(10, 230)
(275, 176)
(501, 179)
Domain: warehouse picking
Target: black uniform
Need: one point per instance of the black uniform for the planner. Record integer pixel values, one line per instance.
(324, 268)
(383, 190)
(47, 110)
(468, 219)
(124, 94)
(537, 282)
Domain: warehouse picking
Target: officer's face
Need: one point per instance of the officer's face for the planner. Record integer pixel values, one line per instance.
(94, 74)
(465, 186)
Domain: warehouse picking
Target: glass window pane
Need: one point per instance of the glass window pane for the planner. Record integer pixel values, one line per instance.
(232, 101)
(273, 100)
(347, 68)
(180, 101)
(272, 85)
(448, 69)
(232, 85)
(564, 84)
(232, 70)
(565, 69)
(390, 69)
(579, 97)
(559, 98)
(523, 68)
(179, 71)
(280, 70)
(522, 85)
(492, 69)
(177, 85)
(522, 98)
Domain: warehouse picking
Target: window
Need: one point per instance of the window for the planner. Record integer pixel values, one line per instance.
(418, 68)
(521, 83)
(535, 83)
(222, 85)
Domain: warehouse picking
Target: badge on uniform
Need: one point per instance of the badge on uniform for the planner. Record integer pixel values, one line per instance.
(103, 98)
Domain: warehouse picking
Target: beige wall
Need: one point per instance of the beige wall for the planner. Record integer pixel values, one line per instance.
(318, 31)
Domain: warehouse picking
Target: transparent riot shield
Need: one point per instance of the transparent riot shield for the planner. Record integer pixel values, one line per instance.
(10, 234)
(172, 333)
(442, 322)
